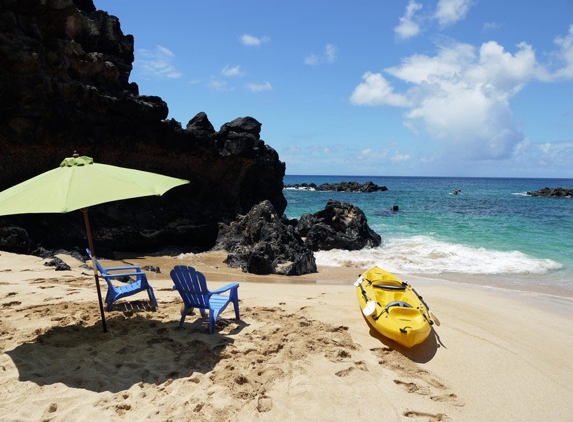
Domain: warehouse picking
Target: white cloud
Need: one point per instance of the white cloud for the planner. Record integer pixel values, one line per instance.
(322, 150)
(490, 26)
(541, 158)
(251, 40)
(369, 155)
(329, 56)
(259, 87)
(158, 63)
(408, 28)
(312, 60)
(232, 71)
(331, 53)
(448, 12)
(397, 157)
(376, 90)
(565, 55)
(461, 95)
(219, 85)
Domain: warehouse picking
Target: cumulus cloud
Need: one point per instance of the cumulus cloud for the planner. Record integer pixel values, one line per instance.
(158, 63)
(329, 56)
(448, 12)
(408, 27)
(462, 94)
(250, 40)
(376, 90)
(266, 86)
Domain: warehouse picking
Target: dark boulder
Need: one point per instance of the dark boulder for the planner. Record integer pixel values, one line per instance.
(15, 239)
(553, 193)
(339, 226)
(58, 264)
(261, 243)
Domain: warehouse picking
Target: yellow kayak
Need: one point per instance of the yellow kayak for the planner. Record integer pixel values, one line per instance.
(393, 307)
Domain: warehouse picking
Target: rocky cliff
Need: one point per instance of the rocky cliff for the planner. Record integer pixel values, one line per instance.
(64, 86)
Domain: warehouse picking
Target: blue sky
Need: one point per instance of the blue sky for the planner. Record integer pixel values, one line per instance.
(363, 87)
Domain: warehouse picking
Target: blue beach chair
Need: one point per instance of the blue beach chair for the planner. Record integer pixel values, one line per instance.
(192, 286)
(119, 292)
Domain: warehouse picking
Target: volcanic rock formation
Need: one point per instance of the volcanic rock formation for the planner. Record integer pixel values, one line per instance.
(64, 86)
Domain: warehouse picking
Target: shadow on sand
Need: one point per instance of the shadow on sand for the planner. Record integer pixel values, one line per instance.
(137, 348)
(421, 353)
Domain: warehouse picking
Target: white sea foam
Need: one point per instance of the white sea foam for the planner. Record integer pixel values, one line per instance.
(300, 188)
(424, 255)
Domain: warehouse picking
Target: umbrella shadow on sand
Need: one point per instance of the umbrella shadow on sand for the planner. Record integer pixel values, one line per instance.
(137, 349)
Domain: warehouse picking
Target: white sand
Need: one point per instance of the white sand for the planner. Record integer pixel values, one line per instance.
(301, 352)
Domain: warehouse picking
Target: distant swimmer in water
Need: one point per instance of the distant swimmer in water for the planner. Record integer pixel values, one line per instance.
(455, 192)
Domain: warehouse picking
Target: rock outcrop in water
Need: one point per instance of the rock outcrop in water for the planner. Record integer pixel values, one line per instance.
(341, 187)
(553, 192)
(339, 226)
(64, 86)
(262, 242)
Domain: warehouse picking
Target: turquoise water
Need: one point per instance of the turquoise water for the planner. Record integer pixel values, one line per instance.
(490, 233)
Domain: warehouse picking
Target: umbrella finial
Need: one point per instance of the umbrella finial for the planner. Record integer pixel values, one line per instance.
(75, 154)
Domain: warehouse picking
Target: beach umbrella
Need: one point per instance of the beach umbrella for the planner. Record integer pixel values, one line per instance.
(78, 184)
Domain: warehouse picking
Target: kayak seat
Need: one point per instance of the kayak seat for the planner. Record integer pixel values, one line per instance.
(390, 286)
(398, 303)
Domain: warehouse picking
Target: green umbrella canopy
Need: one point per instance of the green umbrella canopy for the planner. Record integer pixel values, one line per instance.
(80, 183)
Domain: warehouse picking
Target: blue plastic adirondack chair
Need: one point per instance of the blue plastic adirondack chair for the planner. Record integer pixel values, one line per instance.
(192, 286)
(119, 292)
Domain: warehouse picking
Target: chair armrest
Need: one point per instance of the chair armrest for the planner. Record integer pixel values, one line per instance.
(131, 267)
(122, 274)
(225, 288)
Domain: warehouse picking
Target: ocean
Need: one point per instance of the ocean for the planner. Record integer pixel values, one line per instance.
(491, 233)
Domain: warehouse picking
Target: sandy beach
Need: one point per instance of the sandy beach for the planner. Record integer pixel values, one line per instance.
(301, 351)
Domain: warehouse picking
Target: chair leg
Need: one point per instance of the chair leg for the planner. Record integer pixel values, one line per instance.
(212, 320)
(152, 297)
(109, 301)
(183, 315)
(235, 299)
(236, 306)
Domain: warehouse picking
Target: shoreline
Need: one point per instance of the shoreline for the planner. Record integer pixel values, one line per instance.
(211, 262)
(299, 348)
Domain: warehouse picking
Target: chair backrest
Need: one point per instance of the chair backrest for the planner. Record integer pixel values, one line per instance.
(192, 286)
(99, 267)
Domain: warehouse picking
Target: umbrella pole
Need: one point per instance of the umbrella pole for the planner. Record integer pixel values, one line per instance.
(91, 246)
